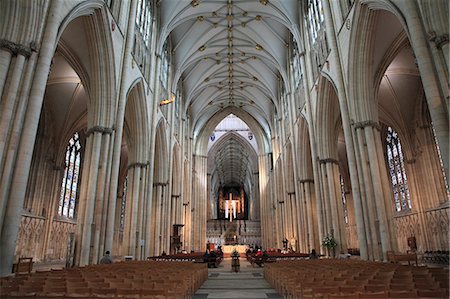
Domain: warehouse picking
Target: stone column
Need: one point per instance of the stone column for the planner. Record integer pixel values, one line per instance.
(120, 115)
(148, 215)
(199, 199)
(345, 116)
(84, 231)
(334, 202)
(20, 147)
(435, 97)
(326, 199)
(296, 217)
(101, 190)
(263, 198)
(309, 204)
(369, 210)
(157, 223)
(140, 253)
(375, 164)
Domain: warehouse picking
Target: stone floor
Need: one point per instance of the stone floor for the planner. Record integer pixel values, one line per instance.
(248, 283)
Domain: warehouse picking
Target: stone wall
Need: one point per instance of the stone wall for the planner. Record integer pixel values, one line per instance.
(31, 239)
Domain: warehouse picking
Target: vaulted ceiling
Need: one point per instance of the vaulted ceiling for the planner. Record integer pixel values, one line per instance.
(230, 53)
(232, 162)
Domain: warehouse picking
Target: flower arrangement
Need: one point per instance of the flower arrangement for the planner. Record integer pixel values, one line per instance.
(329, 242)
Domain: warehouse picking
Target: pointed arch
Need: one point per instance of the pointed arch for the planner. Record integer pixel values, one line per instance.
(136, 124)
(328, 115)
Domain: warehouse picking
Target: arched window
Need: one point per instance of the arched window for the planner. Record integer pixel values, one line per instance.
(344, 199)
(123, 204)
(397, 172)
(440, 161)
(144, 20)
(296, 66)
(69, 187)
(315, 18)
(165, 66)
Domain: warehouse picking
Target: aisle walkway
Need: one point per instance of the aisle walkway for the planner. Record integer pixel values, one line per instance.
(249, 283)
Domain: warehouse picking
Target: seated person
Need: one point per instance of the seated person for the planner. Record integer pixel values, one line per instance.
(313, 255)
(212, 259)
(259, 252)
(206, 256)
(106, 259)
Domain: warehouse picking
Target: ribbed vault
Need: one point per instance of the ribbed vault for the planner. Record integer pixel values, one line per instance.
(232, 162)
(230, 53)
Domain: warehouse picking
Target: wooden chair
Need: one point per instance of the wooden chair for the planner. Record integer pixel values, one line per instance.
(344, 296)
(153, 293)
(376, 288)
(103, 292)
(128, 293)
(440, 293)
(373, 295)
(24, 265)
(402, 294)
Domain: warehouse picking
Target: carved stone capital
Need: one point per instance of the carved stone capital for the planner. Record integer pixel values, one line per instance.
(438, 41)
(367, 123)
(99, 129)
(17, 49)
(137, 164)
(306, 181)
(328, 160)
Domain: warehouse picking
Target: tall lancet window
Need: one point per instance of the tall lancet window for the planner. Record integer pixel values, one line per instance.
(296, 66)
(123, 204)
(144, 20)
(396, 164)
(165, 66)
(315, 18)
(69, 187)
(344, 198)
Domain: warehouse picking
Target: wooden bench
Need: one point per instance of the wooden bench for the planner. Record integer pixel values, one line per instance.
(24, 265)
(402, 257)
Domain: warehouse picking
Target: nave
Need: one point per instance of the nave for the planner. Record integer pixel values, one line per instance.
(146, 128)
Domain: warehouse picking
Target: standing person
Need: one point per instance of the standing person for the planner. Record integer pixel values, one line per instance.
(106, 259)
(235, 266)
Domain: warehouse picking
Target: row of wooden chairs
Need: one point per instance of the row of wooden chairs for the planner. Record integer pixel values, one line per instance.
(331, 278)
(131, 279)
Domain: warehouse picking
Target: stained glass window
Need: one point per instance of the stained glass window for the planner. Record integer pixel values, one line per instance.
(144, 20)
(315, 17)
(69, 187)
(344, 199)
(297, 70)
(440, 161)
(397, 171)
(165, 66)
(123, 205)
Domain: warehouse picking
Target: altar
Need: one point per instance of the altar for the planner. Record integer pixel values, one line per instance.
(228, 249)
